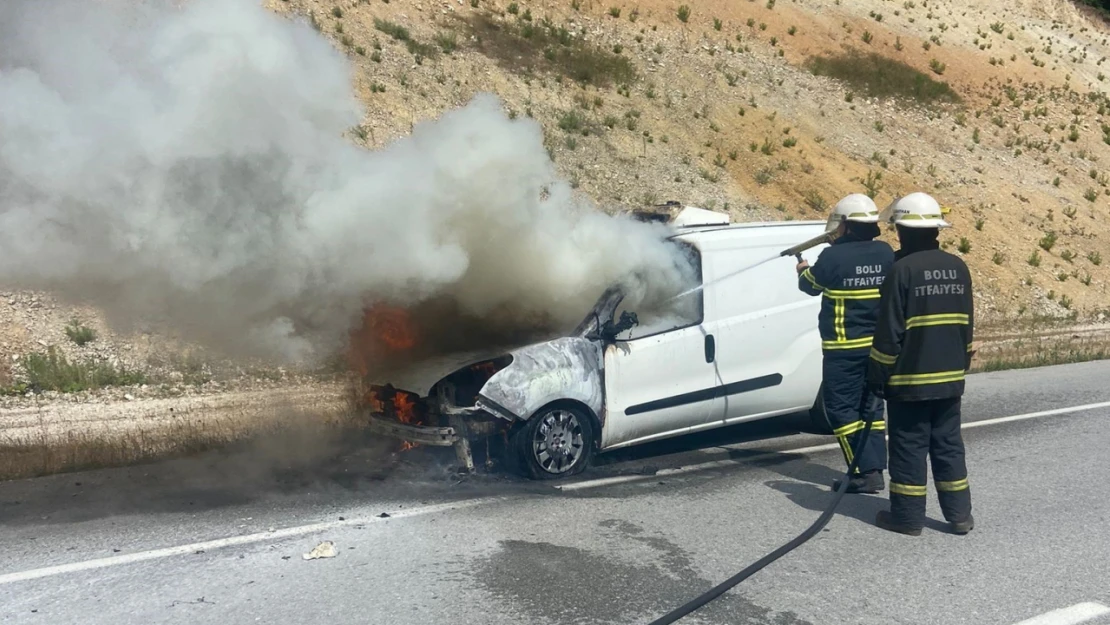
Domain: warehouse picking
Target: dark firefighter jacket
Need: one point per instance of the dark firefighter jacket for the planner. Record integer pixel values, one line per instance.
(847, 276)
(922, 344)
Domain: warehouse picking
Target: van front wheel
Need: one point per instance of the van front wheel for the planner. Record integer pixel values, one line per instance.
(556, 442)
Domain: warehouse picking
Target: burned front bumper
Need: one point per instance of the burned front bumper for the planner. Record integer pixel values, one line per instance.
(420, 434)
(442, 426)
(450, 415)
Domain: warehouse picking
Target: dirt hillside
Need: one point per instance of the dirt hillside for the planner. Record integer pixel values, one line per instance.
(998, 111)
(715, 104)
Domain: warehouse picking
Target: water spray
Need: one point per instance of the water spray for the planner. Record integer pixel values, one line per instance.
(796, 251)
(722, 278)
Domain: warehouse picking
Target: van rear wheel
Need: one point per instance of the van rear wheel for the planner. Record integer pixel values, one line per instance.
(557, 442)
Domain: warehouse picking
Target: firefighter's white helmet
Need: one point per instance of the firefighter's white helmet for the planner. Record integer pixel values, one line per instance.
(916, 210)
(855, 207)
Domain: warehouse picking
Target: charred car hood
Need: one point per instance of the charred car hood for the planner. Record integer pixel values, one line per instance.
(420, 377)
(562, 369)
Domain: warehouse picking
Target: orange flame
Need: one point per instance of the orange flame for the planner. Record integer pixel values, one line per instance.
(406, 413)
(405, 407)
(393, 327)
(384, 330)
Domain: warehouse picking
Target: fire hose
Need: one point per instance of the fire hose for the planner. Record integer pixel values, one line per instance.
(698, 602)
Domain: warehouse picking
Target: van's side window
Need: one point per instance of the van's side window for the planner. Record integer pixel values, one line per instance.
(683, 312)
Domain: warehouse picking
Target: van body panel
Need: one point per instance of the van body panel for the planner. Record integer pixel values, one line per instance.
(766, 348)
(765, 327)
(652, 385)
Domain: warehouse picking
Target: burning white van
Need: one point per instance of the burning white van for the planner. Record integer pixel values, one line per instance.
(749, 349)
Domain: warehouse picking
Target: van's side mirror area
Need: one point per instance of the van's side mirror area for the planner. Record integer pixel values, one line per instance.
(610, 331)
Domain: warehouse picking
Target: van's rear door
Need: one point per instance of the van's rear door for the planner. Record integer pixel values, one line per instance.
(768, 347)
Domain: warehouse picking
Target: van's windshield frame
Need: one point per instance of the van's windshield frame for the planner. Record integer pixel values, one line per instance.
(611, 299)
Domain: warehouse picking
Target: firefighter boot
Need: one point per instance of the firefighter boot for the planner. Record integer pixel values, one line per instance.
(870, 482)
(963, 527)
(885, 521)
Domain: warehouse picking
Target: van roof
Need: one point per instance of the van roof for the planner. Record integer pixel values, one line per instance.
(686, 220)
(685, 230)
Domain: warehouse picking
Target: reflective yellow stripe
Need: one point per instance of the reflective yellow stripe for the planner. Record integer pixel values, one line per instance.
(852, 344)
(838, 321)
(847, 448)
(851, 428)
(860, 294)
(922, 321)
(881, 358)
(939, 377)
(845, 431)
(809, 276)
(952, 487)
(842, 433)
(907, 489)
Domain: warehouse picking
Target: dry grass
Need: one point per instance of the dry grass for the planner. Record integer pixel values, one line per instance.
(1028, 358)
(48, 453)
(1039, 345)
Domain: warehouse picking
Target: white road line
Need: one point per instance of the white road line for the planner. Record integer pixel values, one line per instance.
(1078, 613)
(716, 464)
(1035, 415)
(289, 532)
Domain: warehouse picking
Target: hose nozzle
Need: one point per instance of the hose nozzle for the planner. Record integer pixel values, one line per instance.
(797, 250)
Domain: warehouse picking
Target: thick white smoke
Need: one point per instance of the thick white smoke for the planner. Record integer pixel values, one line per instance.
(188, 164)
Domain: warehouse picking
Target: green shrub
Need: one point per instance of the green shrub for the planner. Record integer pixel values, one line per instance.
(535, 47)
(79, 334)
(1048, 241)
(52, 371)
(878, 76)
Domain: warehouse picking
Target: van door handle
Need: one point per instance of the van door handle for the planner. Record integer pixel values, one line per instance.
(710, 348)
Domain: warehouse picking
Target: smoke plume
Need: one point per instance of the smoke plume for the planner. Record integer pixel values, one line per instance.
(188, 164)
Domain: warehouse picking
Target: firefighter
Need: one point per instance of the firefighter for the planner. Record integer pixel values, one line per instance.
(847, 276)
(922, 350)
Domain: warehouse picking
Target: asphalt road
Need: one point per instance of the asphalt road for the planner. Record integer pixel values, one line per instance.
(220, 540)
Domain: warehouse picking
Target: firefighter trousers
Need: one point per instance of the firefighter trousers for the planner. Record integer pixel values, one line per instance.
(847, 405)
(922, 431)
